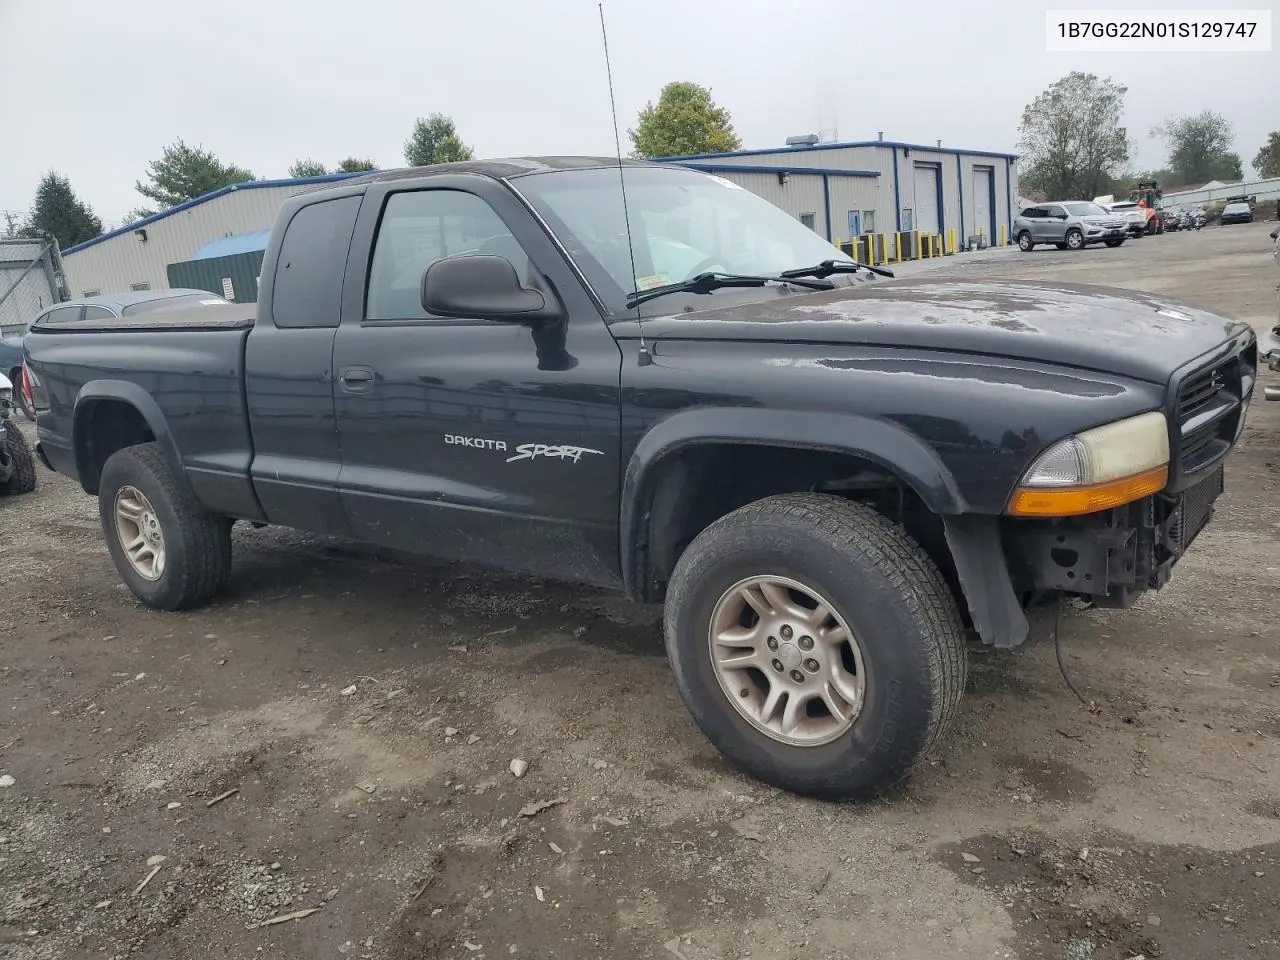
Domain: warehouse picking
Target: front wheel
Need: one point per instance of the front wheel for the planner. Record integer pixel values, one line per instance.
(1075, 240)
(1024, 242)
(171, 552)
(816, 644)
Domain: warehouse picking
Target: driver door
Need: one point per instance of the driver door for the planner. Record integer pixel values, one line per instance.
(477, 439)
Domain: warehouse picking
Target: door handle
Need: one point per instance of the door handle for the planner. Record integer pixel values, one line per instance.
(356, 379)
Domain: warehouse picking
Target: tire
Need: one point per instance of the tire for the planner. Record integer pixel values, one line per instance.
(891, 596)
(1113, 243)
(1075, 240)
(23, 477)
(195, 544)
(20, 395)
(1024, 242)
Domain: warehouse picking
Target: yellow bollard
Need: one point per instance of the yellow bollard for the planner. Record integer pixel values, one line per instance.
(871, 249)
(897, 242)
(1004, 240)
(955, 240)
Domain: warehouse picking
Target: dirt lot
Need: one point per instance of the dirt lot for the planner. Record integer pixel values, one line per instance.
(366, 707)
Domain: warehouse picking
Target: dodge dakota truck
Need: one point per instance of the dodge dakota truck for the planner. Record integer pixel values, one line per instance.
(830, 478)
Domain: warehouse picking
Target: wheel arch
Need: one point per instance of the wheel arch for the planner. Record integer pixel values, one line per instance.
(661, 454)
(110, 415)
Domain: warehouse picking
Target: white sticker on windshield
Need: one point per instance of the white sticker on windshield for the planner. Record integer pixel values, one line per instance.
(725, 183)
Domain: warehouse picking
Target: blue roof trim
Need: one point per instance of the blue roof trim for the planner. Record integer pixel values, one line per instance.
(749, 168)
(767, 151)
(221, 191)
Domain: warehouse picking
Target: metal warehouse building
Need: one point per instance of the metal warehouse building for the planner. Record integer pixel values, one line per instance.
(840, 190)
(844, 190)
(137, 256)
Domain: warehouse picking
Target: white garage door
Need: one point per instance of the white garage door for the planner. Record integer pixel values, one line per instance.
(982, 200)
(927, 199)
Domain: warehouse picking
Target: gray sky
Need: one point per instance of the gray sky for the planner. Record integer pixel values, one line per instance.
(96, 88)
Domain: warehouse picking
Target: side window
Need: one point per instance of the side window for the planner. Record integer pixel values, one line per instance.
(62, 315)
(97, 313)
(420, 227)
(1058, 213)
(313, 256)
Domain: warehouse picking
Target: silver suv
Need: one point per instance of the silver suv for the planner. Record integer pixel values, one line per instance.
(1071, 225)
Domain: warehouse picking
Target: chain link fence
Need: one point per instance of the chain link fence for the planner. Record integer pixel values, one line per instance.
(30, 280)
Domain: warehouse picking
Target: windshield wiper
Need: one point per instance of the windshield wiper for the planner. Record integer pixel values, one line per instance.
(827, 267)
(706, 282)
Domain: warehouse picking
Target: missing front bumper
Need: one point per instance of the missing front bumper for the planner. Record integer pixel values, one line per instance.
(1111, 558)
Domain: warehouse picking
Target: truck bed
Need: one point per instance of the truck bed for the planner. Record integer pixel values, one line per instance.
(186, 377)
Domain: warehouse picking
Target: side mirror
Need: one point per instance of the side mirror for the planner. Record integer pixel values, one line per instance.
(484, 287)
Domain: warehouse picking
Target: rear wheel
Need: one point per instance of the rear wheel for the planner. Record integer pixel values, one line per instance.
(816, 644)
(171, 552)
(22, 466)
(1024, 242)
(1075, 240)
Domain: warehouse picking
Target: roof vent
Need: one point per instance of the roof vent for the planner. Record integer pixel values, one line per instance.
(807, 140)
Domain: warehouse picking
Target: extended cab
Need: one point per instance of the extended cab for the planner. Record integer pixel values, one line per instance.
(824, 474)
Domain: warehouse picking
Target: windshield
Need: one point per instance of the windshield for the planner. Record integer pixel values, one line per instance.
(682, 223)
(1085, 209)
(174, 303)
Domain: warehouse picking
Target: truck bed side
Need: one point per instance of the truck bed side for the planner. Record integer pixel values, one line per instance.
(182, 384)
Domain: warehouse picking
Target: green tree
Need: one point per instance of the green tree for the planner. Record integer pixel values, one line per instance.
(1073, 144)
(1267, 161)
(307, 168)
(1200, 147)
(685, 121)
(435, 140)
(356, 165)
(183, 173)
(59, 212)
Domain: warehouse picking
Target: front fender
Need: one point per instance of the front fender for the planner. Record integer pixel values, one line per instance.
(878, 441)
(125, 392)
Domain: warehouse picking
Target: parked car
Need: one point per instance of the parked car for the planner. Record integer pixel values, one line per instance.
(1134, 216)
(17, 466)
(1238, 212)
(1073, 224)
(100, 307)
(814, 468)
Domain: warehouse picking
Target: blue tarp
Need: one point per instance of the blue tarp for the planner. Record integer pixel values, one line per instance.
(239, 243)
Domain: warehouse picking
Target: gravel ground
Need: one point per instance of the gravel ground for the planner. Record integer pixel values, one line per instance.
(365, 708)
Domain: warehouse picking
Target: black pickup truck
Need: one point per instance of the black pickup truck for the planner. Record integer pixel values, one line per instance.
(827, 476)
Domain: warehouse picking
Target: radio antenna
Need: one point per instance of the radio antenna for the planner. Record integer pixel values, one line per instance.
(645, 357)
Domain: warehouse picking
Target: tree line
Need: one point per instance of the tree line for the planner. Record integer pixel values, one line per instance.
(1074, 145)
(1072, 139)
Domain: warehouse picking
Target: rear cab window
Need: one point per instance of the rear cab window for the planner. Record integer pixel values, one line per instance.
(307, 287)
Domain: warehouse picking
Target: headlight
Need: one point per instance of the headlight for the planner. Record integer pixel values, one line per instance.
(1097, 469)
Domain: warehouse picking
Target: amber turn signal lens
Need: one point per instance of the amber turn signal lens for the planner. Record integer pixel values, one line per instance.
(1075, 501)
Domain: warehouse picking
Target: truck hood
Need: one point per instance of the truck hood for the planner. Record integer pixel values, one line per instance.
(1092, 327)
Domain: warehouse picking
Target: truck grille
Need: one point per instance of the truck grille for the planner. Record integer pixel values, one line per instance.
(1208, 412)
